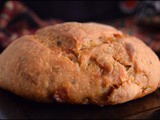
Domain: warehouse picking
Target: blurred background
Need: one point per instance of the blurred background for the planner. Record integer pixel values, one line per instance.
(138, 18)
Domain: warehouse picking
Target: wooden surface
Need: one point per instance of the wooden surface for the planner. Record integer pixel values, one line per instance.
(12, 106)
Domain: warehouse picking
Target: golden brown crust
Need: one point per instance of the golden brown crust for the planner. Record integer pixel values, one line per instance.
(79, 63)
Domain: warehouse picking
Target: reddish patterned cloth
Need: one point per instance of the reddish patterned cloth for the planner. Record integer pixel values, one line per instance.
(17, 20)
(144, 23)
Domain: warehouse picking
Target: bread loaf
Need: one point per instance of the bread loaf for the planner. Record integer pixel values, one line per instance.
(79, 63)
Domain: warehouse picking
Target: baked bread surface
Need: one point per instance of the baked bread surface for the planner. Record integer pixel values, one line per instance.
(79, 63)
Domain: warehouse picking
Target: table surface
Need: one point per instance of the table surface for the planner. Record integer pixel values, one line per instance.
(12, 106)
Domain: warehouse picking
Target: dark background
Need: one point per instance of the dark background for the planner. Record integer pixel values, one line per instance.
(76, 10)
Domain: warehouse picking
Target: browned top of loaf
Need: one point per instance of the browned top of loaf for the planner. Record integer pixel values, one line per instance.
(96, 64)
(77, 35)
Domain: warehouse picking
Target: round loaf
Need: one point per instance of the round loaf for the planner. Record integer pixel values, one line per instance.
(79, 63)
